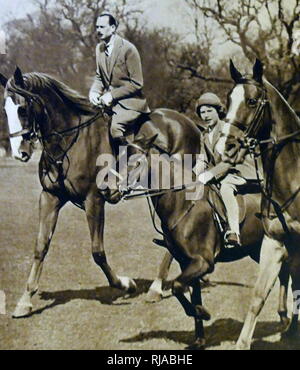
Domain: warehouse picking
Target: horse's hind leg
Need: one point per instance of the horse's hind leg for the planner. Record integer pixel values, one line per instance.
(284, 277)
(94, 208)
(49, 207)
(271, 258)
(293, 330)
(155, 292)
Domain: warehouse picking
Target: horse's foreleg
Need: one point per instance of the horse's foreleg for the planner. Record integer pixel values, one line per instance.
(194, 270)
(94, 207)
(49, 207)
(155, 292)
(196, 298)
(271, 258)
(284, 276)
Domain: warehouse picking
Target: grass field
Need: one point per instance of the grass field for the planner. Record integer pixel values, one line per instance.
(76, 309)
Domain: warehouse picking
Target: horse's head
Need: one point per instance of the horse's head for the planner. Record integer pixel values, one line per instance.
(244, 119)
(21, 110)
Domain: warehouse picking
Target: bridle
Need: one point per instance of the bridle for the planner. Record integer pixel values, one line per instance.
(246, 136)
(34, 130)
(31, 131)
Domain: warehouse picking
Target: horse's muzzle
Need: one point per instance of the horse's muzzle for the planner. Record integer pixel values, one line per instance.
(25, 151)
(111, 196)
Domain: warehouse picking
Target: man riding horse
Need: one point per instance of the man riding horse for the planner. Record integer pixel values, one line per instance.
(118, 85)
(211, 111)
(119, 79)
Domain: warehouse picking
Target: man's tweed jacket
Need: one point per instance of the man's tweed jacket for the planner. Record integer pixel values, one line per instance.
(121, 75)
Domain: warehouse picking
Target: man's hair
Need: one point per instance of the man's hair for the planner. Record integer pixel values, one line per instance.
(111, 19)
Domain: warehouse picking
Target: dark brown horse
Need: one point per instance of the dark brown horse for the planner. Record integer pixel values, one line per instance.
(190, 232)
(261, 120)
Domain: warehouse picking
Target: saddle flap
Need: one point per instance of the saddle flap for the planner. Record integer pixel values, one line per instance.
(215, 200)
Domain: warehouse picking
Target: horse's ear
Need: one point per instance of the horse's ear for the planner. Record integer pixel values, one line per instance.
(235, 74)
(258, 70)
(3, 80)
(19, 78)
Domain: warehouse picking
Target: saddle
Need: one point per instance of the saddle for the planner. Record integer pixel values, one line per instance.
(216, 202)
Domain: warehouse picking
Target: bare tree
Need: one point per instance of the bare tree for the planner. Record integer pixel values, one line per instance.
(262, 29)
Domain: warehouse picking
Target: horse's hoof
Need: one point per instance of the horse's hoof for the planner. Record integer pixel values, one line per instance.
(153, 296)
(22, 311)
(290, 333)
(242, 346)
(198, 345)
(127, 284)
(284, 321)
(202, 313)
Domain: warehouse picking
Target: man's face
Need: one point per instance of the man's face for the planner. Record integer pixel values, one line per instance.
(104, 29)
(209, 114)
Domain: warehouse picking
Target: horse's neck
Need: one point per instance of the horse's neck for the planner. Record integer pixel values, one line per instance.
(60, 116)
(284, 117)
(282, 166)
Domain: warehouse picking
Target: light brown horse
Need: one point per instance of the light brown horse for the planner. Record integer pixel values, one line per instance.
(261, 120)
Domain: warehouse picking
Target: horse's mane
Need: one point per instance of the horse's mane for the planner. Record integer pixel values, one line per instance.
(284, 107)
(36, 81)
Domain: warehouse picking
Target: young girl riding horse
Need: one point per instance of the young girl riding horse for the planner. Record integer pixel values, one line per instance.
(211, 111)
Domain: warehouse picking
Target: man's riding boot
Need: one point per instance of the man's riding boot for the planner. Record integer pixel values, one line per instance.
(126, 185)
(120, 141)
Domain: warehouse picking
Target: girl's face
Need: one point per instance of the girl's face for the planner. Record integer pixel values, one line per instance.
(209, 114)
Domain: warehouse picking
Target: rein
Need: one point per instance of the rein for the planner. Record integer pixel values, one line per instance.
(34, 131)
(78, 127)
(148, 193)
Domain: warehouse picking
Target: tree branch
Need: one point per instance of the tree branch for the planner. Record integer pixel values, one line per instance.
(195, 73)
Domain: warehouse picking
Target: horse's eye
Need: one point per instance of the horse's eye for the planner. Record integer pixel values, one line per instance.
(22, 112)
(252, 102)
